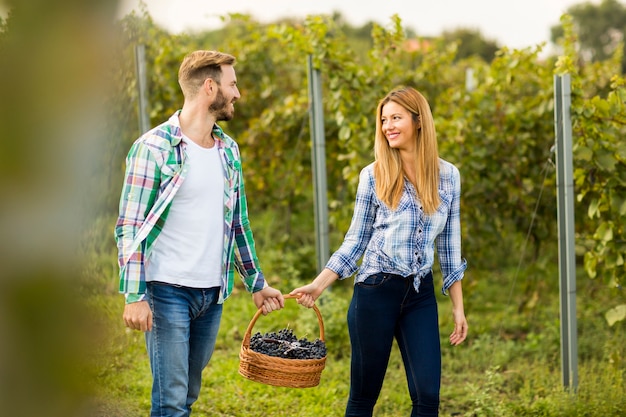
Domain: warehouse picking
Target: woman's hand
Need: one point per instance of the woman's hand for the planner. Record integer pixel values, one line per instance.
(460, 328)
(307, 294)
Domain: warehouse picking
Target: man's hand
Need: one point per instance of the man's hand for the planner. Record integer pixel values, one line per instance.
(268, 299)
(138, 316)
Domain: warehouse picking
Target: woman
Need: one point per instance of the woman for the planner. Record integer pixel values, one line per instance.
(407, 203)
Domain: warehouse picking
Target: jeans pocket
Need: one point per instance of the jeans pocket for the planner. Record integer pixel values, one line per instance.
(374, 280)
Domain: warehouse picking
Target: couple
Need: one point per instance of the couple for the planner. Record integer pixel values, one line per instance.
(407, 203)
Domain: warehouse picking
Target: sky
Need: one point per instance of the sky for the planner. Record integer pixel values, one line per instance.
(511, 23)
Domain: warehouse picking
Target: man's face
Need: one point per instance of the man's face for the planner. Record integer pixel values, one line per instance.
(227, 93)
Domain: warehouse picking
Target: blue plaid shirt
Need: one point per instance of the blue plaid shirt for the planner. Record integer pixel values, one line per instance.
(402, 241)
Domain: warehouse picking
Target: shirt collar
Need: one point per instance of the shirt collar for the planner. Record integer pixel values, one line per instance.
(177, 133)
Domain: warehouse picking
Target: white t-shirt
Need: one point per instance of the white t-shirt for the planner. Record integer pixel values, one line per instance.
(189, 249)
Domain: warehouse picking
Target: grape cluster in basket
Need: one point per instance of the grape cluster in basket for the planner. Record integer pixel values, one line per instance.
(285, 344)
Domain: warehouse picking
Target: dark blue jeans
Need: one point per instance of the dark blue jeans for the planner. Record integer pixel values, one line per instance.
(185, 326)
(385, 306)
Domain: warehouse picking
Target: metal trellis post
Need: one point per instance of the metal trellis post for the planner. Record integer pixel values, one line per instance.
(318, 152)
(142, 90)
(565, 209)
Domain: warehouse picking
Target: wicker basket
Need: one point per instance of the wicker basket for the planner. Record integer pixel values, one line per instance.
(294, 373)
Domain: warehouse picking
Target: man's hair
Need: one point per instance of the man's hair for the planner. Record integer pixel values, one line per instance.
(200, 65)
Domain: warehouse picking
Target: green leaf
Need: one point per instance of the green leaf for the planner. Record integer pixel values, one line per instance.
(345, 132)
(604, 232)
(606, 161)
(339, 118)
(620, 150)
(590, 264)
(615, 314)
(610, 260)
(583, 153)
(593, 208)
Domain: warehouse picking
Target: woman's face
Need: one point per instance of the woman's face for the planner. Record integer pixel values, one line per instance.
(398, 127)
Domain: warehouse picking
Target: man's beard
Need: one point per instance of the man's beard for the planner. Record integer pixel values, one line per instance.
(221, 108)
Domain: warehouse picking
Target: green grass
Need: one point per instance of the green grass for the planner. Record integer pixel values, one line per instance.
(490, 375)
(509, 365)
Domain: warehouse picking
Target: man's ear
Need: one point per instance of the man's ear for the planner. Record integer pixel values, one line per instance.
(210, 87)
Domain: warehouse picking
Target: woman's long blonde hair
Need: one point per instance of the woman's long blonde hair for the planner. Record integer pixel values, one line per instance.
(388, 170)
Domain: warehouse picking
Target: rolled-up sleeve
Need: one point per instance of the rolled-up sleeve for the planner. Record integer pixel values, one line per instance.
(344, 260)
(449, 240)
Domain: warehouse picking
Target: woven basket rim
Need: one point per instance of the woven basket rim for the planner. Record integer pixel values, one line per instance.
(283, 372)
(248, 334)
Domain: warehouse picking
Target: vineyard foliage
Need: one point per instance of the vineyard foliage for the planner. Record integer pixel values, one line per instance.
(69, 109)
(497, 127)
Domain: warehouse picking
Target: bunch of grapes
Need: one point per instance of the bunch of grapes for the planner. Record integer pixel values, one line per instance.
(285, 344)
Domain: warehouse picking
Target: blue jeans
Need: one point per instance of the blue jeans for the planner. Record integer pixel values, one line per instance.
(385, 306)
(184, 331)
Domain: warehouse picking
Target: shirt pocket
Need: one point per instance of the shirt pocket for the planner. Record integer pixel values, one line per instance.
(168, 173)
(446, 201)
(437, 221)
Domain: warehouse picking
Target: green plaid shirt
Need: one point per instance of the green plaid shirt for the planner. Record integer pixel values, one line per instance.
(155, 169)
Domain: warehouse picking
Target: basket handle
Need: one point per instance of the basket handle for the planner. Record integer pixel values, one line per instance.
(246, 338)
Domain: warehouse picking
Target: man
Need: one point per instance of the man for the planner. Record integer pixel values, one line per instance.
(182, 230)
